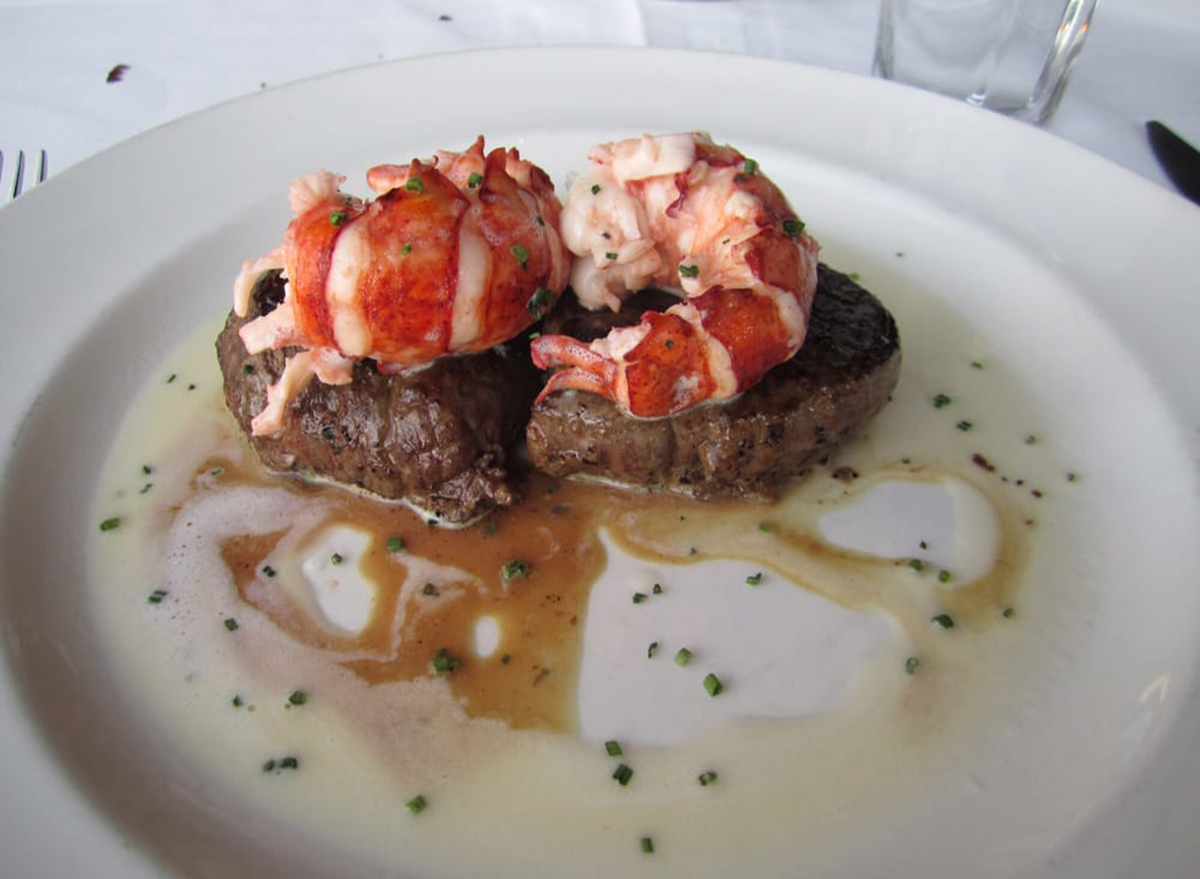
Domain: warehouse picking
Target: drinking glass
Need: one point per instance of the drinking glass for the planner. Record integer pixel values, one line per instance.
(1007, 55)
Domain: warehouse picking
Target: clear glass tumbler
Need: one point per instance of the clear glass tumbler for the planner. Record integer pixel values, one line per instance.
(1012, 56)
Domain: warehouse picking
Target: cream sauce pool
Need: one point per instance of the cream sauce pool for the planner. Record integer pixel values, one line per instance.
(331, 657)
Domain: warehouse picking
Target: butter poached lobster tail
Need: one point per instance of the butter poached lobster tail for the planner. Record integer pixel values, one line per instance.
(455, 255)
(681, 213)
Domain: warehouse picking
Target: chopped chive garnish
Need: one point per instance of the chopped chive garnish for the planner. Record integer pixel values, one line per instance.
(652, 649)
(683, 656)
(689, 271)
(622, 774)
(916, 564)
(489, 527)
(657, 590)
(231, 624)
(443, 663)
(540, 221)
(1030, 440)
(417, 804)
(268, 571)
(669, 343)
(975, 364)
(474, 179)
(415, 184)
(110, 524)
(542, 298)
(608, 254)
(429, 589)
(793, 228)
(749, 166)
(755, 579)
(145, 488)
(171, 378)
(613, 748)
(964, 426)
(941, 400)
(336, 558)
(595, 188)
(706, 778)
(247, 368)
(639, 597)
(1007, 613)
(395, 544)
(147, 469)
(506, 659)
(647, 845)
(520, 254)
(236, 701)
(713, 684)
(765, 527)
(1072, 477)
(513, 569)
(157, 596)
(281, 764)
(297, 697)
(337, 218)
(944, 620)
(944, 576)
(911, 665)
(406, 248)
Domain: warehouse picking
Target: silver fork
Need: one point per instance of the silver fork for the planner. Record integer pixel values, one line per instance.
(18, 178)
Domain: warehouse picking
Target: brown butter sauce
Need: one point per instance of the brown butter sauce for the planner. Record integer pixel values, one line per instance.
(529, 681)
(785, 538)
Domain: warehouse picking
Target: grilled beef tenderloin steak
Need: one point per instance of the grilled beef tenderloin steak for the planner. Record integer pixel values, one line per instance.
(439, 437)
(749, 446)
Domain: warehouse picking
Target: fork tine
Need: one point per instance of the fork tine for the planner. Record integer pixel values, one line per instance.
(20, 173)
(37, 175)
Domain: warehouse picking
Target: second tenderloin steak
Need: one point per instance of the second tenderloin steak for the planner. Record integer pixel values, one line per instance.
(750, 446)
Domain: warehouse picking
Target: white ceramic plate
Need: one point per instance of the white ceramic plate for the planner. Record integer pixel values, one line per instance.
(1090, 280)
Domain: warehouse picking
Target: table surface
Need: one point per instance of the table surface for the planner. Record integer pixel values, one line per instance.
(1141, 60)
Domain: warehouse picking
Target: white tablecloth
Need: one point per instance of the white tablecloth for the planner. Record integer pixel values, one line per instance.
(1142, 59)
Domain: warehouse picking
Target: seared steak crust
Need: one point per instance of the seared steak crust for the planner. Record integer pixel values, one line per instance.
(751, 445)
(438, 437)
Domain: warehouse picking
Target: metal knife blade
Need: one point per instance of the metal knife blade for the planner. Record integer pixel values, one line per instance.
(1179, 159)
